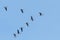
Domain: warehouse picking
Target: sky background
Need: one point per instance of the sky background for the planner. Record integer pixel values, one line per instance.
(46, 27)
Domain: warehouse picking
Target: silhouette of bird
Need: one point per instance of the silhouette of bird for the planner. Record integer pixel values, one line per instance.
(27, 24)
(5, 8)
(40, 13)
(22, 11)
(31, 18)
(14, 35)
(18, 31)
(21, 29)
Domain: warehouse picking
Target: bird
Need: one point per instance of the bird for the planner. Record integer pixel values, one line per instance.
(18, 31)
(22, 10)
(5, 8)
(40, 13)
(31, 18)
(27, 24)
(21, 29)
(14, 35)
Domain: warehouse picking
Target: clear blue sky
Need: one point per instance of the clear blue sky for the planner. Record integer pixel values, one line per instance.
(46, 27)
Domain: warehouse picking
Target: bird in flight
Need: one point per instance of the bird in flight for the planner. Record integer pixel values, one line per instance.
(18, 31)
(14, 35)
(31, 18)
(5, 8)
(21, 29)
(27, 24)
(22, 10)
(40, 13)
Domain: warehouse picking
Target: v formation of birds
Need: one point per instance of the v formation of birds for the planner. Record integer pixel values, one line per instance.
(27, 23)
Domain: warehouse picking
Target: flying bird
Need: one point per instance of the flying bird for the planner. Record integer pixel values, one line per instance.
(5, 8)
(40, 13)
(21, 29)
(22, 11)
(27, 24)
(31, 18)
(14, 35)
(18, 31)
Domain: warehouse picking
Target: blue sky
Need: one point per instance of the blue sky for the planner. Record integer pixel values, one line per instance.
(46, 27)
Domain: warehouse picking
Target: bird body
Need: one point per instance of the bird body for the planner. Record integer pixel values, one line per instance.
(18, 31)
(21, 29)
(14, 35)
(22, 11)
(40, 13)
(27, 24)
(31, 18)
(5, 8)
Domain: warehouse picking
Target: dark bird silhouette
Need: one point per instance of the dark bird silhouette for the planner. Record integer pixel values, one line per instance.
(14, 35)
(27, 24)
(21, 29)
(31, 18)
(5, 8)
(18, 31)
(22, 11)
(40, 13)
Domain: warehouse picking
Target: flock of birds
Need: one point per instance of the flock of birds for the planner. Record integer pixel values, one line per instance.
(27, 24)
